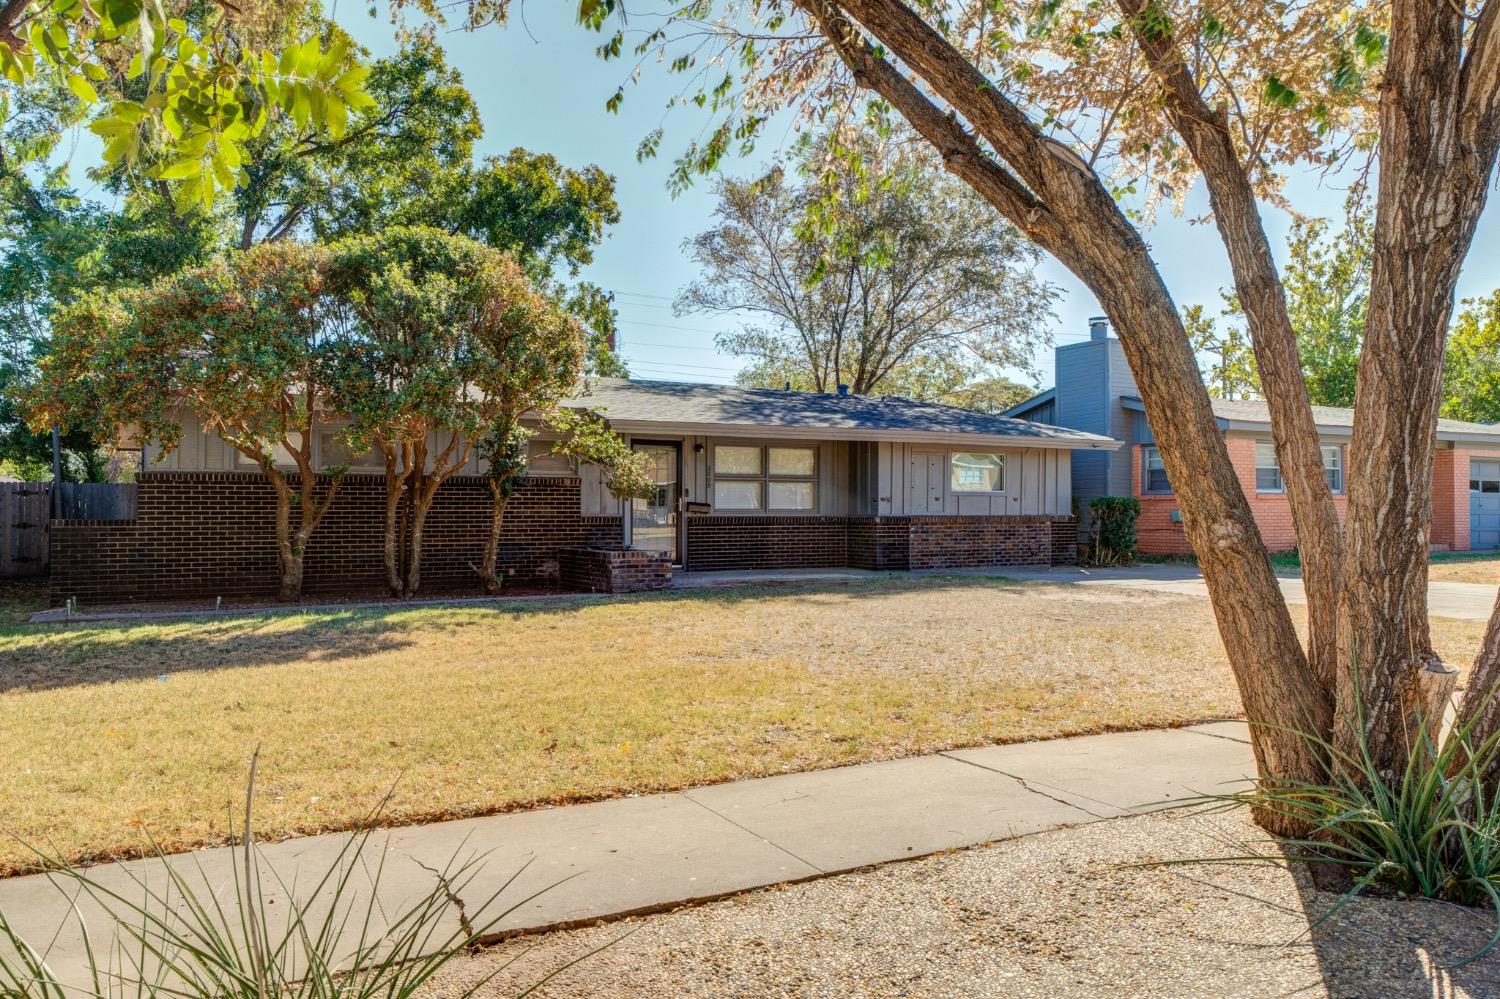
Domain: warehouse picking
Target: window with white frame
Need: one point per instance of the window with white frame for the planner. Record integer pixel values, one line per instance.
(1153, 472)
(1333, 466)
(751, 478)
(976, 472)
(1267, 471)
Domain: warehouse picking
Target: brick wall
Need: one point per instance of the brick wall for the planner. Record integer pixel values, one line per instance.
(206, 534)
(600, 570)
(979, 542)
(1273, 512)
(1065, 541)
(720, 542)
(879, 542)
(1450, 501)
(1155, 532)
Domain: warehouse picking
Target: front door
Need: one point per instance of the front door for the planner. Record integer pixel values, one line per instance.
(929, 482)
(1484, 504)
(654, 520)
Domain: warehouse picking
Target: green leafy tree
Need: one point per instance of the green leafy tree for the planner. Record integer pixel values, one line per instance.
(1471, 375)
(409, 161)
(1232, 373)
(1327, 279)
(854, 276)
(239, 342)
(446, 345)
(182, 89)
(1327, 283)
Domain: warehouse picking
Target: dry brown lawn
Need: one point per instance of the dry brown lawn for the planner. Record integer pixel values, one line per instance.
(1465, 568)
(116, 730)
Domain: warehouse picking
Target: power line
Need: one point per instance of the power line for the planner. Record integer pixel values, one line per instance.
(669, 326)
(692, 367)
(642, 294)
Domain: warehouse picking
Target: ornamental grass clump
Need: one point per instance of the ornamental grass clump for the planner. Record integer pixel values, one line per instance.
(1432, 831)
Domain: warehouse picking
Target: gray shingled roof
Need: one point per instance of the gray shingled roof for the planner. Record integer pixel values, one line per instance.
(696, 408)
(1336, 418)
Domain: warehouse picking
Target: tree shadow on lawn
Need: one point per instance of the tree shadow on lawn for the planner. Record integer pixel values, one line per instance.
(51, 656)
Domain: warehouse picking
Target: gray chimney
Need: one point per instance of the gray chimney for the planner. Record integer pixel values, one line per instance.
(1099, 328)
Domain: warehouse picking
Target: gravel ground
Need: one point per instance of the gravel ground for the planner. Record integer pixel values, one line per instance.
(1051, 915)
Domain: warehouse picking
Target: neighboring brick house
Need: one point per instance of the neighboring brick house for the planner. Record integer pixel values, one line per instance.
(1095, 392)
(747, 479)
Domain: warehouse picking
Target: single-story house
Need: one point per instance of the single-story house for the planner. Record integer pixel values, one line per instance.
(1094, 391)
(746, 479)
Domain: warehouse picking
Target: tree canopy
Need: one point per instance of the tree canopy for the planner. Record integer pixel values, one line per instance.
(1471, 377)
(407, 158)
(238, 342)
(892, 273)
(182, 88)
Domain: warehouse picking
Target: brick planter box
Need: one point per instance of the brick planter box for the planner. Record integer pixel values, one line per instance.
(612, 570)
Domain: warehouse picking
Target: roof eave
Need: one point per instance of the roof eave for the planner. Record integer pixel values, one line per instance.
(666, 428)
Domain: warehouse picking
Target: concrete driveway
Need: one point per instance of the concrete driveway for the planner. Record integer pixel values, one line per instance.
(1464, 601)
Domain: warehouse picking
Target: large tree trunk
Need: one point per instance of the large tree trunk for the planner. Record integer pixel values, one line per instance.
(1061, 204)
(1479, 711)
(1237, 215)
(1437, 151)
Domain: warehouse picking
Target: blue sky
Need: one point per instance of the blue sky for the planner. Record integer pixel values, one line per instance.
(539, 85)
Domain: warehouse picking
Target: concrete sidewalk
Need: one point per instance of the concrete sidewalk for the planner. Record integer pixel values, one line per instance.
(631, 855)
(1464, 601)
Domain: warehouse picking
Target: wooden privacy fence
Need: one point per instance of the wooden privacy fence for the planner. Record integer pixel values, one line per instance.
(26, 511)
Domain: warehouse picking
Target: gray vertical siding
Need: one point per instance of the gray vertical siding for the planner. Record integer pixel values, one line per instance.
(1121, 420)
(1092, 378)
(1082, 403)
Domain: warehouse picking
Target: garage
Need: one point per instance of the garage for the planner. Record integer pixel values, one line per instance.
(1484, 504)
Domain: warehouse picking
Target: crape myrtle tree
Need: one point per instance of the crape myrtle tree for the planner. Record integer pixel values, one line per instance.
(1070, 119)
(445, 344)
(582, 436)
(239, 342)
(859, 276)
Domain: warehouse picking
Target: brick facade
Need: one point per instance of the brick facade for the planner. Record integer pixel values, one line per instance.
(979, 542)
(721, 542)
(199, 535)
(207, 534)
(880, 543)
(725, 543)
(1450, 501)
(606, 570)
(1158, 534)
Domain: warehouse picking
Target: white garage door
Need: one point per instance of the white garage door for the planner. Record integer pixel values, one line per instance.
(1484, 504)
